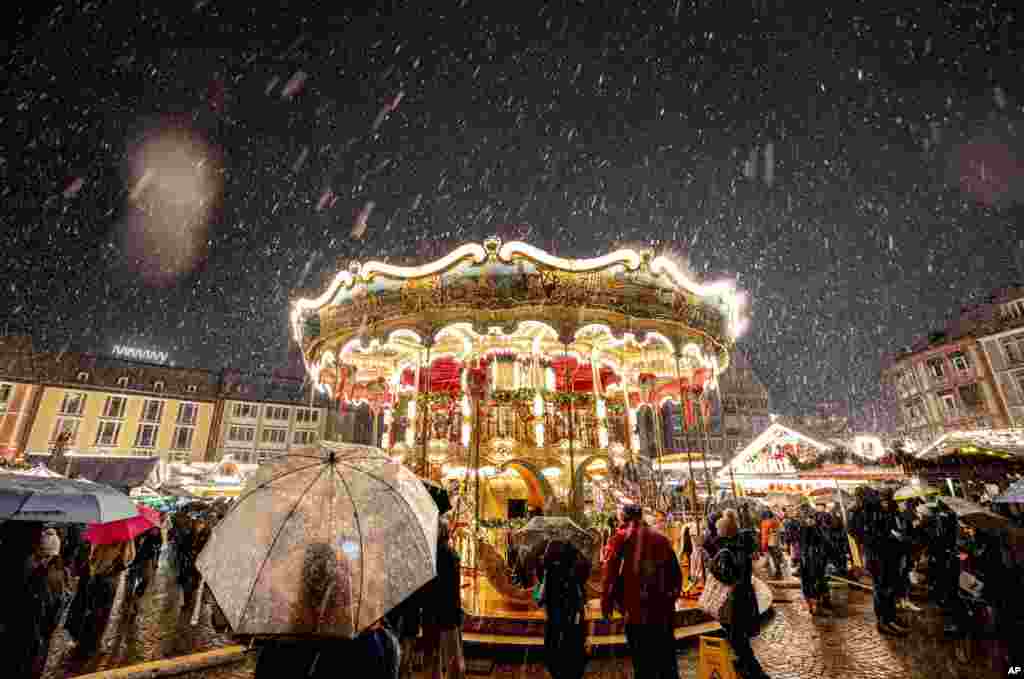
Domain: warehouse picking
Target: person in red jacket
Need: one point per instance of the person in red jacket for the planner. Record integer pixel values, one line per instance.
(646, 593)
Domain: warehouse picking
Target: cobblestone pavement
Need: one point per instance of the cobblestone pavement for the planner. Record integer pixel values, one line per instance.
(792, 645)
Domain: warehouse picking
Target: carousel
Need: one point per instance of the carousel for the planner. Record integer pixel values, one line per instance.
(528, 385)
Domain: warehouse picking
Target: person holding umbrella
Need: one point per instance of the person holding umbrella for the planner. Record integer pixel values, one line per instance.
(322, 589)
(320, 547)
(564, 600)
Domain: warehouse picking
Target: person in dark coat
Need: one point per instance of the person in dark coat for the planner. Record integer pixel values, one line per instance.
(733, 564)
(565, 633)
(37, 606)
(406, 620)
(443, 622)
(815, 552)
(143, 568)
(650, 585)
(883, 545)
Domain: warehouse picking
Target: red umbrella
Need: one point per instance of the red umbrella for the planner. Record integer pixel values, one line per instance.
(124, 530)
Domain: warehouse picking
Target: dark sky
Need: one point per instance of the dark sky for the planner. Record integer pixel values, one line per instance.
(882, 194)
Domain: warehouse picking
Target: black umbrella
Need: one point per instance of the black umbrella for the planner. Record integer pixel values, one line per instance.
(439, 494)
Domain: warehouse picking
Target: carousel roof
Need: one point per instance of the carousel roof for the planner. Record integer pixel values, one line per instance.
(626, 305)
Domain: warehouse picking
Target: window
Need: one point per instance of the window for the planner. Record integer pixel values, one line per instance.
(107, 433)
(68, 426)
(187, 413)
(1013, 348)
(959, 361)
(5, 396)
(146, 436)
(114, 407)
(192, 389)
(1014, 309)
(158, 386)
(915, 411)
(275, 413)
(1018, 379)
(122, 382)
(242, 434)
(73, 403)
(970, 395)
(306, 416)
(182, 438)
(948, 399)
(304, 438)
(152, 410)
(82, 377)
(274, 436)
(246, 410)
(936, 369)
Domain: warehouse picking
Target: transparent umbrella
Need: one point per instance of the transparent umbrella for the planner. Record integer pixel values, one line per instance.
(323, 542)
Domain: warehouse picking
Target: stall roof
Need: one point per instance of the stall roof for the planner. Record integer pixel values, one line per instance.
(1005, 443)
(747, 461)
(112, 470)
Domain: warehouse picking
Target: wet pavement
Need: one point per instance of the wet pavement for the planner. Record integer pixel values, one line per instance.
(792, 645)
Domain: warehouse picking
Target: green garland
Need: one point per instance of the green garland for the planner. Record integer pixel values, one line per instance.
(510, 524)
(435, 398)
(521, 395)
(833, 456)
(615, 407)
(563, 398)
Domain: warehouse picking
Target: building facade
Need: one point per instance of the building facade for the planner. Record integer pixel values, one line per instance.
(18, 393)
(107, 406)
(103, 406)
(266, 415)
(943, 384)
(1003, 346)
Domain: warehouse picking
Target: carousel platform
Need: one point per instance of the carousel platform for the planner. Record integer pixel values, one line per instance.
(495, 622)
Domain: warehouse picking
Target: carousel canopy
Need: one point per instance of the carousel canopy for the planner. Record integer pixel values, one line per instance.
(624, 310)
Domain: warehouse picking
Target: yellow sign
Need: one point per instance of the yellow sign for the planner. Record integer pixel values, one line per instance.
(715, 659)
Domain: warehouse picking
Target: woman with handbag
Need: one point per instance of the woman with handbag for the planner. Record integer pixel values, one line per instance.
(729, 592)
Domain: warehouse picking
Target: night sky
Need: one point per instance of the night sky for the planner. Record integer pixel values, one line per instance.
(173, 178)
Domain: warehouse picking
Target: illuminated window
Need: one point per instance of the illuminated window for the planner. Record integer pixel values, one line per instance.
(73, 403)
(187, 413)
(306, 415)
(68, 426)
(274, 436)
(948, 402)
(82, 377)
(152, 410)
(246, 410)
(145, 437)
(158, 386)
(122, 382)
(275, 413)
(1013, 349)
(959, 361)
(241, 434)
(114, 407)
(6, 391)
(182, 438)
(936, 368)
(304, 438)
(107, 433)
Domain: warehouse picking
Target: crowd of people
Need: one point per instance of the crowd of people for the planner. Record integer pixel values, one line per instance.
(52, 576)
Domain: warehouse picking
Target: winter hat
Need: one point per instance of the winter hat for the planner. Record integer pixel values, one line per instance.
(49, 543)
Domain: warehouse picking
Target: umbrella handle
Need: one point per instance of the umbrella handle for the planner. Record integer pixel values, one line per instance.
(199, 601)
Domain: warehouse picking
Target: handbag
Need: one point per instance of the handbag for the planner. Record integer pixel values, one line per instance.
(716, 598)
(538, 591)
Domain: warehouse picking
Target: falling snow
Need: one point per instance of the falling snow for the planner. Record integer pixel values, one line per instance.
(862, 186)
